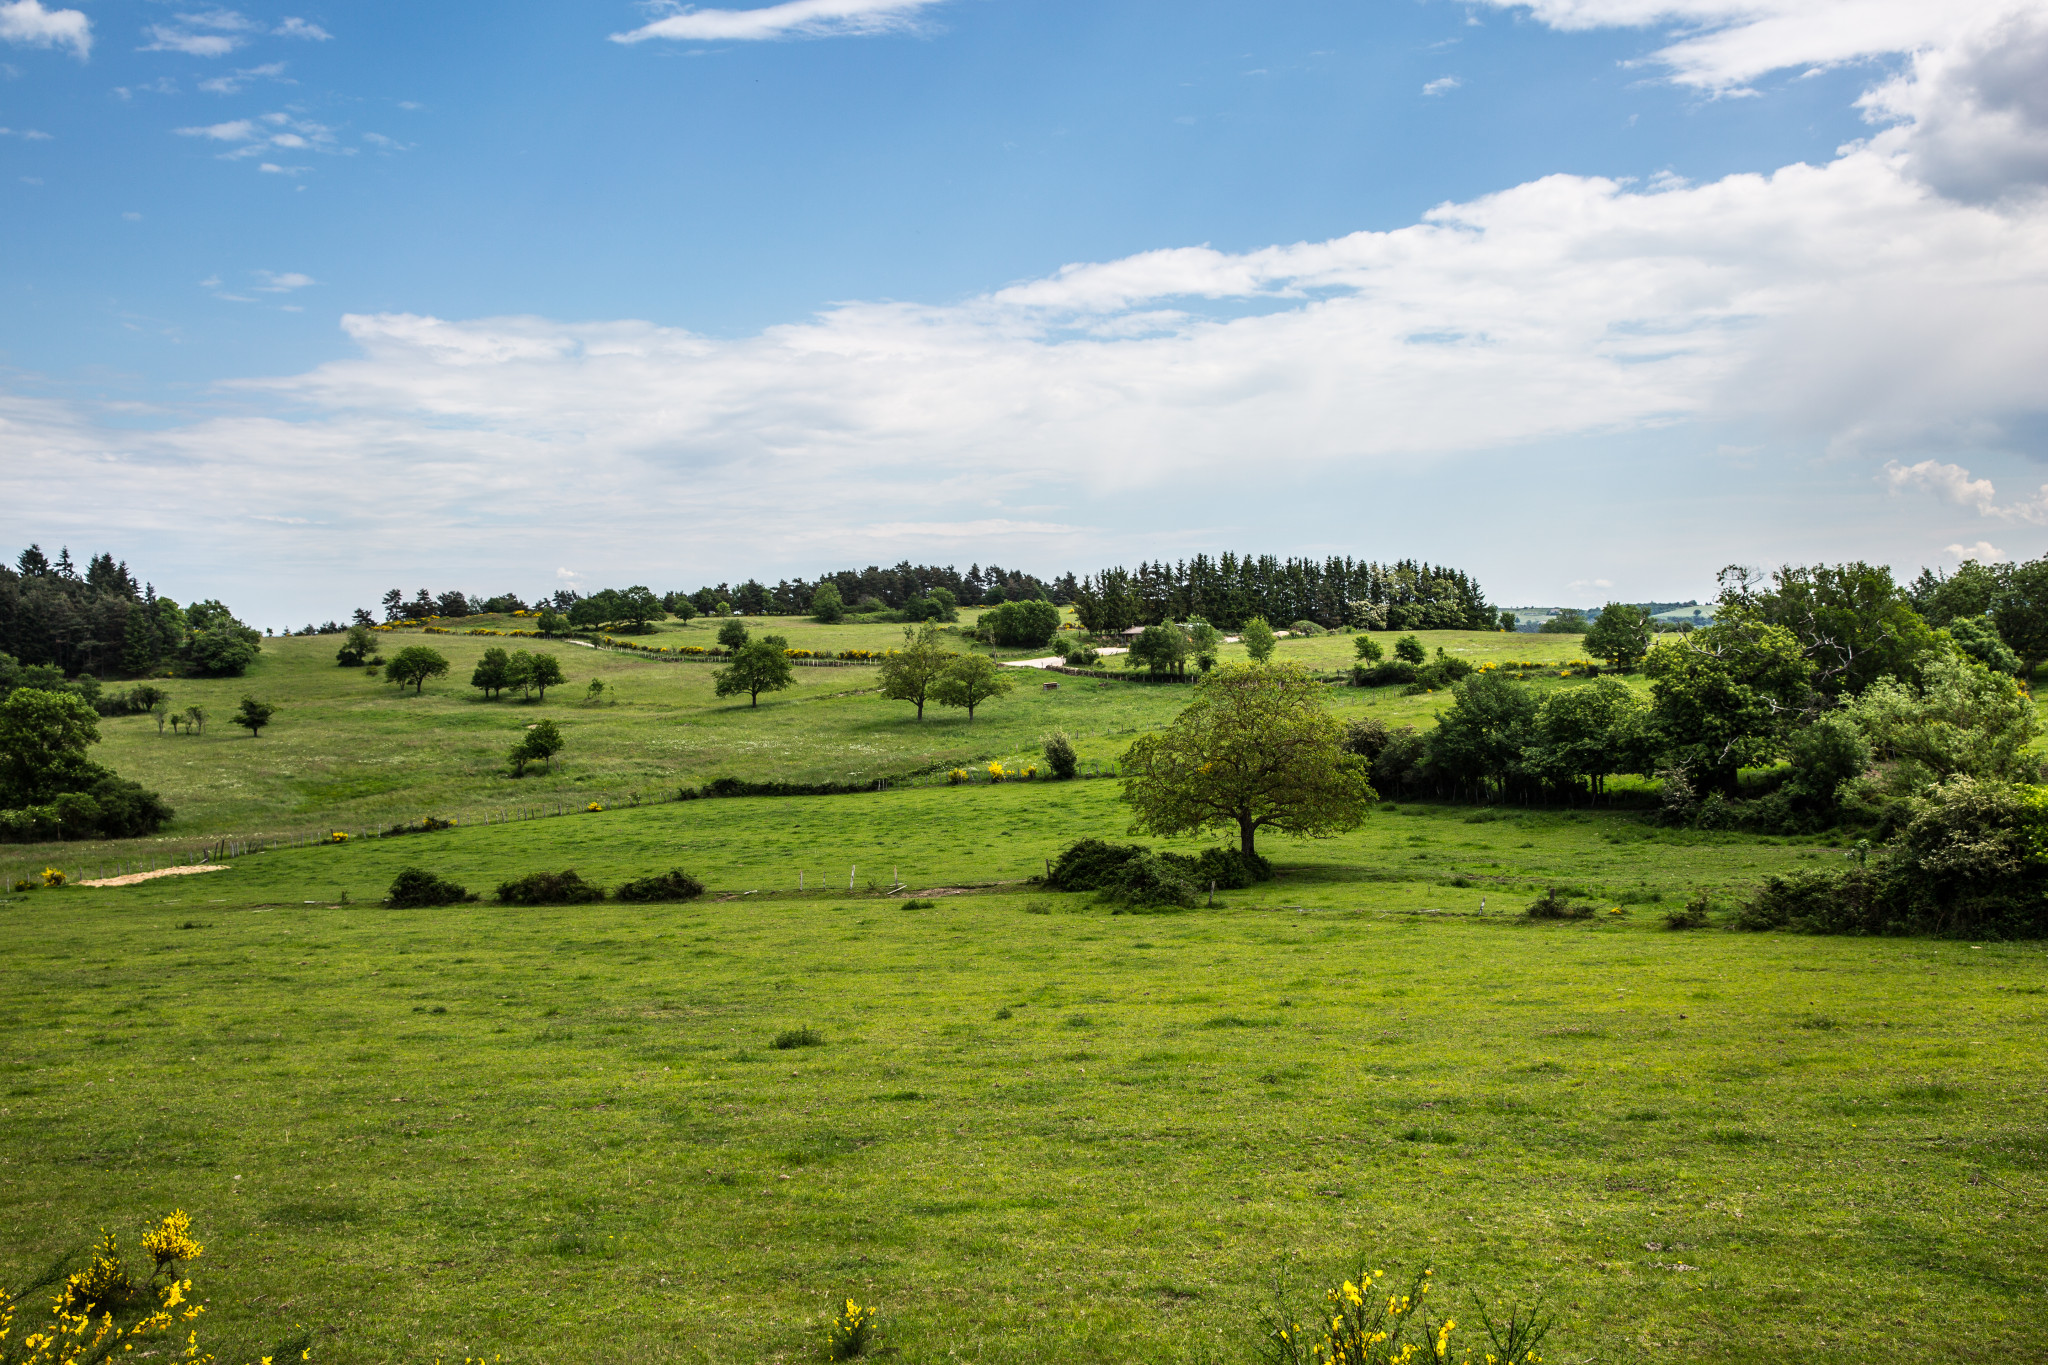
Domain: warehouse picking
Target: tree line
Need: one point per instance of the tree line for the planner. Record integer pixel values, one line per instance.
(102, 623)
(1333, 593)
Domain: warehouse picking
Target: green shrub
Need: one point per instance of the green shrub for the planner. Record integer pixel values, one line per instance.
(1408, 649)
(1230, 869)
(1692, 915)
(1388, 674)
(1089, 864)
(415, 887)
(1551, 905)
(1153, 881)
(549, 888)
(799, 1037)
(1441, 672)
(1305, 628)
(672, 885)
(1060, 756)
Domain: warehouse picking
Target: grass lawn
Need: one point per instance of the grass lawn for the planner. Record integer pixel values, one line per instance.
(1034, 1131)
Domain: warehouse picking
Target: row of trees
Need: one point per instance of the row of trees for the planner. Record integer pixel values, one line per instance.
(1335, 592)
(104, 623)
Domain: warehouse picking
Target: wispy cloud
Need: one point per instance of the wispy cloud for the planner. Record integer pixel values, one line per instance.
(232, 85)
(793, 19)
(268, 133)
(300, 28)
(26, 22)
(1442, 85)
(26, 134)
(206, 33)
(276, 283)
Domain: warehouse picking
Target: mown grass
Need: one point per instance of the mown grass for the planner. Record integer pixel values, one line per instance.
(1045, 1137)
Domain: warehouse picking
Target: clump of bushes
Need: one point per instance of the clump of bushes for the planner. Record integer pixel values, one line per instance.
(672, 885)
(1305, 628)
(1970, 861)
(416, 887)
(549, 888)
(1385, 673)
(427, 825)
(1692, 915)
(1551, 905)
(1060, 756)
(1134, 875)
(799, 1037)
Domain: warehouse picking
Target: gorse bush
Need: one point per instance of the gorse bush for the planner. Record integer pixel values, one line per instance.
(1692, 915)
(415, 887)
(799, 1037)
(1134, 875)
(549, 888)
(1364, 1321)
(1152, 881)
(672, 885)
(851, 1332)
(102, 1312)
(1060, 756)
(1551, 905)
(1088, 864)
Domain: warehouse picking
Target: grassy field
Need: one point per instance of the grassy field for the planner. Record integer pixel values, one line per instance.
(349, 751)
(1035, 1131)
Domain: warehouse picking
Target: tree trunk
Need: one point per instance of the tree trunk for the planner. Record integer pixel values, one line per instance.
(1245, 830)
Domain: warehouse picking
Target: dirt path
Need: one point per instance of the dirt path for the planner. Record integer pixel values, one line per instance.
(134, 877)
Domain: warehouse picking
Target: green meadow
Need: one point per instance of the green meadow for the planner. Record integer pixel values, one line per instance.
(1033, 1130)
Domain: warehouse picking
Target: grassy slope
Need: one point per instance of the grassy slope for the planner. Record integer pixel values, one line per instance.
(562, 1134)
(349, 751)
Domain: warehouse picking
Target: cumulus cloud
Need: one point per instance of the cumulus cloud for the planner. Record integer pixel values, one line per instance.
(1984, 552)
(1442, 85)
(1973, 116)
(793, 19)
(275, 283)
(1955, 484)
(26, 22)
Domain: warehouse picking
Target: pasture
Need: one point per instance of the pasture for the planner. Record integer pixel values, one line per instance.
(1034, 1130)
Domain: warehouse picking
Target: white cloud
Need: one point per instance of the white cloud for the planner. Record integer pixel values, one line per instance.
(254, 137)
(275, 283)
(162, 85)
(26, 134)
(301, 28)
(1973, 116)
(1442, 85)
(232, 85)
(1955, 484)
(206, 33)
(793, 19)
(28, 23)
(1984, 552)
(235, 130)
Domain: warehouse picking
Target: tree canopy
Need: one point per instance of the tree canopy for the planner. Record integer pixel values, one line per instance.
(414, 665)
(970, 680)
(912, 671)
(1256, 749)
(762, 666)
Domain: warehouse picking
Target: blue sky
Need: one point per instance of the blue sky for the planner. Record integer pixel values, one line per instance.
(1588, 296)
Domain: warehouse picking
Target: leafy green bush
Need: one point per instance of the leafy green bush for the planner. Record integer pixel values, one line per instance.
(1692, 915)
(1408, 649)
(549, 888)
(1387, 674)
(1060, 756)
(1551, 905)
(799, 1037)
(1230, 869)
(1441, 672)
(1305, 628)
(672, 885)
(1089, 864)
(415, 887)
(1153, 881)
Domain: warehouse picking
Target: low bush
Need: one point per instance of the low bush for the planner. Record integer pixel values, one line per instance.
(1153, 881)
(1692, 915)
(1386, 674)
(549, 888)
(799, 1037)
(1551, 905)
(1089, 864)
(427, 825)
(112, 808)
(1305, 628)
(1060, 756)
(415, 887)
(1369, 1321)
(1230, 869)
(672, 885)
(1441, 672)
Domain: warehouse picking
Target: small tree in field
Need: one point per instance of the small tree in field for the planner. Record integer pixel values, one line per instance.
(732, 636)
(358, 645)
(969, 681)
(827, 605)
(912, 671)
(762, 666)
(1409, 650)
(254, 715)
(541, 742)
(493, 672)
(1256, 749)
(1258, 639)
(415, 664)
(1621, 636)
(531, 672)
(1368, 650)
